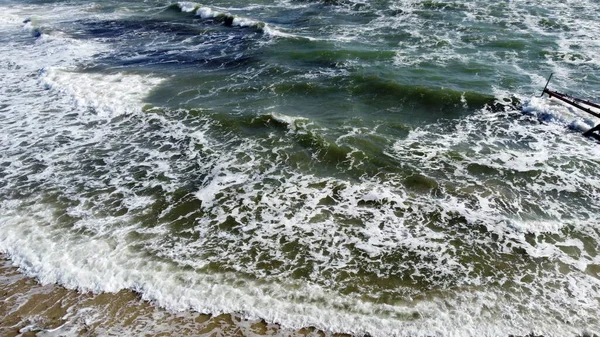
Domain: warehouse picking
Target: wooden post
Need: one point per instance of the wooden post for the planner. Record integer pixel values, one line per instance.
(592, 132)
(579, 104)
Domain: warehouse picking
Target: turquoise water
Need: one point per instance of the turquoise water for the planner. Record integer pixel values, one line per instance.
(382, 166)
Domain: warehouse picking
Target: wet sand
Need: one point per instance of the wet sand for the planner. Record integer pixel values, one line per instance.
(31, 309)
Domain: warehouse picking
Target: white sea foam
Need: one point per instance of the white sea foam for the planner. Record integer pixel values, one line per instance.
(551, 110)
(106, 264)
(205, 12)
(9, 19)
(238, 21)
(187, 7)
(243, 22)
(292, 122)
(273, 206)
(107, 95)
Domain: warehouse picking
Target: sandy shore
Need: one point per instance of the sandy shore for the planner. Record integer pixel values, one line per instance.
(30, 309)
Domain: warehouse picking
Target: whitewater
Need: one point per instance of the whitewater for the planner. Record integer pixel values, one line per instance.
(363, 167)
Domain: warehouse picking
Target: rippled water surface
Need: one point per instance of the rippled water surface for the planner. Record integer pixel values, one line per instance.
(381, 166)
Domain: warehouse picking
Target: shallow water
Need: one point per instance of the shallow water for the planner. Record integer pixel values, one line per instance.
(381, 167)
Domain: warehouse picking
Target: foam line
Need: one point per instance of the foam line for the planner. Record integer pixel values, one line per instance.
(488, 226)
(232, 20)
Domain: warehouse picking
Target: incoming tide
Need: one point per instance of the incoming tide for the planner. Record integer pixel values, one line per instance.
(381, 167)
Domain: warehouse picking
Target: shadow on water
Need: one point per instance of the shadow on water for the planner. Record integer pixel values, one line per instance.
(167, 45)
(244, 74)
(226, 70)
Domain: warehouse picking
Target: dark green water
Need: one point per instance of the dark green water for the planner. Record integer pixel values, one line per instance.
(380, 166)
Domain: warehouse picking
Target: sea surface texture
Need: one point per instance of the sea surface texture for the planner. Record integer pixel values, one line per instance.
(376, 166)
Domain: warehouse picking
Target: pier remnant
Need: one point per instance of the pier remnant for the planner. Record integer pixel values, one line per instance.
(581, 104)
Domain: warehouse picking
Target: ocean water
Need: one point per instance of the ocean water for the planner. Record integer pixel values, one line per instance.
(379, 166)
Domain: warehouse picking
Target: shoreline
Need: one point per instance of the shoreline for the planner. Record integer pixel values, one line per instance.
(29, 308)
